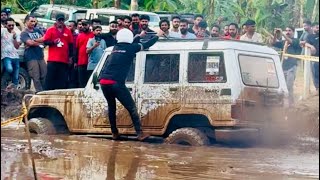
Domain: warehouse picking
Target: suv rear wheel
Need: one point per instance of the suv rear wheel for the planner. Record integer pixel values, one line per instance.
(188, 136)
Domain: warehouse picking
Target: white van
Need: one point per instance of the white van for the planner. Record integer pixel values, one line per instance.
(106, 15)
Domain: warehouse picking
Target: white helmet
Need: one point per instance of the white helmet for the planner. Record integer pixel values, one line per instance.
(125, 36)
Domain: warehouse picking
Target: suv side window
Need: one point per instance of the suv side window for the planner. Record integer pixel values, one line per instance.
(54, 14)
(162, 68)
(105, 19)
(206, 68)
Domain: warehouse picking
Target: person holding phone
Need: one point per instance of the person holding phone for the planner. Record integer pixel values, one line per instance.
(95, 48)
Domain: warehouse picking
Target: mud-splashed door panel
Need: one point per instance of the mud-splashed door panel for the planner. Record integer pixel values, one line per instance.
(160, 91)
(206, 76)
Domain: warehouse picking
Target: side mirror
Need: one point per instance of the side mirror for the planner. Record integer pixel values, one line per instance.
(95, 81)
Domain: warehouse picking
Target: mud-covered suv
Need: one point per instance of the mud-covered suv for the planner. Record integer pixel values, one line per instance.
(186, 91)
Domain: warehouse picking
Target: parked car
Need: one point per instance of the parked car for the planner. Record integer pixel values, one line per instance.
(24, 78)
(185, 94)
(106, 15)
(46, 13)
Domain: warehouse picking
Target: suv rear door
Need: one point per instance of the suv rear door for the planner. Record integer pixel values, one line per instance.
(263, 90)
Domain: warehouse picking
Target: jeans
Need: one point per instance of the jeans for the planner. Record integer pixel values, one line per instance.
(315, 74)
(290, 76)
(37, 70)
(121, 92)
(57, 76)
(12, 67)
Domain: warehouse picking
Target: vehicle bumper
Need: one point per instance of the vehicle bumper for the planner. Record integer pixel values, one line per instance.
(237, 135)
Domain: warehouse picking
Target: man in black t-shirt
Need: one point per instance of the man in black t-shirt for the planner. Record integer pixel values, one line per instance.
(313, 43)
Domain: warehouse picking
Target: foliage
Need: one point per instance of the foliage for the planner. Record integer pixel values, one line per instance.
(267, 13)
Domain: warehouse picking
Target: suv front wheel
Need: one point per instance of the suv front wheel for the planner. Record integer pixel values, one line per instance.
(41, 126)
(188, 136)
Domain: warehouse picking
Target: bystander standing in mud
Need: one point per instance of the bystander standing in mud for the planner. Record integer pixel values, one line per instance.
(10, 42)
(312, 42)
(292, 46)
(33, 39)
(82, 60)
(73, 73)
(95, 48)
(60, 41)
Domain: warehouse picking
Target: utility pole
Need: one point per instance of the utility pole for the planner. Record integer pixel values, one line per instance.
(134, 5)
(117, 4)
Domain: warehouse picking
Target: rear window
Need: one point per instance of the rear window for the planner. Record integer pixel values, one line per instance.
(206, 68)
(258, 71)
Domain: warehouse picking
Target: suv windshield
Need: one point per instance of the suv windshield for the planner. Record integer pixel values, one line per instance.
(258, 71)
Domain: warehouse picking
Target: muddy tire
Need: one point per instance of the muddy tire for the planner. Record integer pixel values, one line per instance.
(188, 136)
(41, 126)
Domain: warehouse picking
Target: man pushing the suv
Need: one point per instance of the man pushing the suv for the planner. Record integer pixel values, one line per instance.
(113, 78)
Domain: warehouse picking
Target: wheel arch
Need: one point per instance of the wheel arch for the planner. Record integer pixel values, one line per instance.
(50, 113)
(191, 120)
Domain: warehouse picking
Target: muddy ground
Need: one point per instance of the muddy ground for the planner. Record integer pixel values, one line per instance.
(84, 158)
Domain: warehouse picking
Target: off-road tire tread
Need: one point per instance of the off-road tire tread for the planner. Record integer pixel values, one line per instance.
(196, 137)
(42, 126)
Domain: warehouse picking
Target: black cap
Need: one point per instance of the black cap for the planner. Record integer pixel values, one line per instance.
(250, 23)
(4, 11)
(60, 16)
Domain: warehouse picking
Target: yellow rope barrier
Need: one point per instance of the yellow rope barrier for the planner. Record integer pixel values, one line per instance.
(303, 57)
(16, 119)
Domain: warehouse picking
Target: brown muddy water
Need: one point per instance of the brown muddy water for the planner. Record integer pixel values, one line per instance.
(71, 157)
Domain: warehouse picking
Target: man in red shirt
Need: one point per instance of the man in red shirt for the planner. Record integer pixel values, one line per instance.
(233, 32)
(60, 41)
(82, 54)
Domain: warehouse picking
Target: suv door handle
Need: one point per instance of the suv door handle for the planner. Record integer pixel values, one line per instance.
(173, 89)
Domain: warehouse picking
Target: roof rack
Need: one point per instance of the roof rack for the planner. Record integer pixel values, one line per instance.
(65, 7)
(207, 40)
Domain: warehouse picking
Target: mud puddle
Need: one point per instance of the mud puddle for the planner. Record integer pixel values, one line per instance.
(83, 158)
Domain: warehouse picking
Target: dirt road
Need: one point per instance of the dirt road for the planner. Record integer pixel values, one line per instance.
(83, 158)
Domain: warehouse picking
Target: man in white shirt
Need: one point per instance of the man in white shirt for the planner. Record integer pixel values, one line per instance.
(165, 26)
(10, 43)
(175, 24)
(184, 33)
(251, 35)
